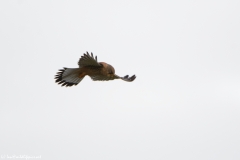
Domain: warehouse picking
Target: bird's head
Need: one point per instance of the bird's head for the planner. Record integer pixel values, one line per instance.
(110, 70)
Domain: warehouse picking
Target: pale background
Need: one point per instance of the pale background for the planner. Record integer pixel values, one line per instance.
(183, 105)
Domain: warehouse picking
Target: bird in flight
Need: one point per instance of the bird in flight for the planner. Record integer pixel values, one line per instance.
(88, 65)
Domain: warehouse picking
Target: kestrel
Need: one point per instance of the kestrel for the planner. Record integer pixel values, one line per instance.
(88, 65)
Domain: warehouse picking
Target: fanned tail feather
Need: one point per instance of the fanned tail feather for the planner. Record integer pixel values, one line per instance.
(68, 77)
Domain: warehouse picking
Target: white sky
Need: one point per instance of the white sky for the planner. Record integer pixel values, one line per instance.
(183, 105)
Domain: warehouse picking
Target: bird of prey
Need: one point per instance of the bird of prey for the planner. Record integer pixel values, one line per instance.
(88, 65)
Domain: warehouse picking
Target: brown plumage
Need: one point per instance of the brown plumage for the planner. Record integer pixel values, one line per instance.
(88, 65)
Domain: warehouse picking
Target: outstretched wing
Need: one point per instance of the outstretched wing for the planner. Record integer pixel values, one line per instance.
(106, 78)
(128, 79)
(101, 78)
(88, 60)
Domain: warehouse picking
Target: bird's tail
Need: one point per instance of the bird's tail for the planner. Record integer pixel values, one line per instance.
(69, 76)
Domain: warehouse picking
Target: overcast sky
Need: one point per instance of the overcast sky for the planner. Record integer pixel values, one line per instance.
(183, 105)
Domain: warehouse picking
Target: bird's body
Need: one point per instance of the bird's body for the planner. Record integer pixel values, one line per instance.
(106, 70)
(88, 65)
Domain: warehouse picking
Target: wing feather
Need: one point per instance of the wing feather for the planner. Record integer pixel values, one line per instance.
(88, 60)
(101, 78)
(106, 78)
(127, 78)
